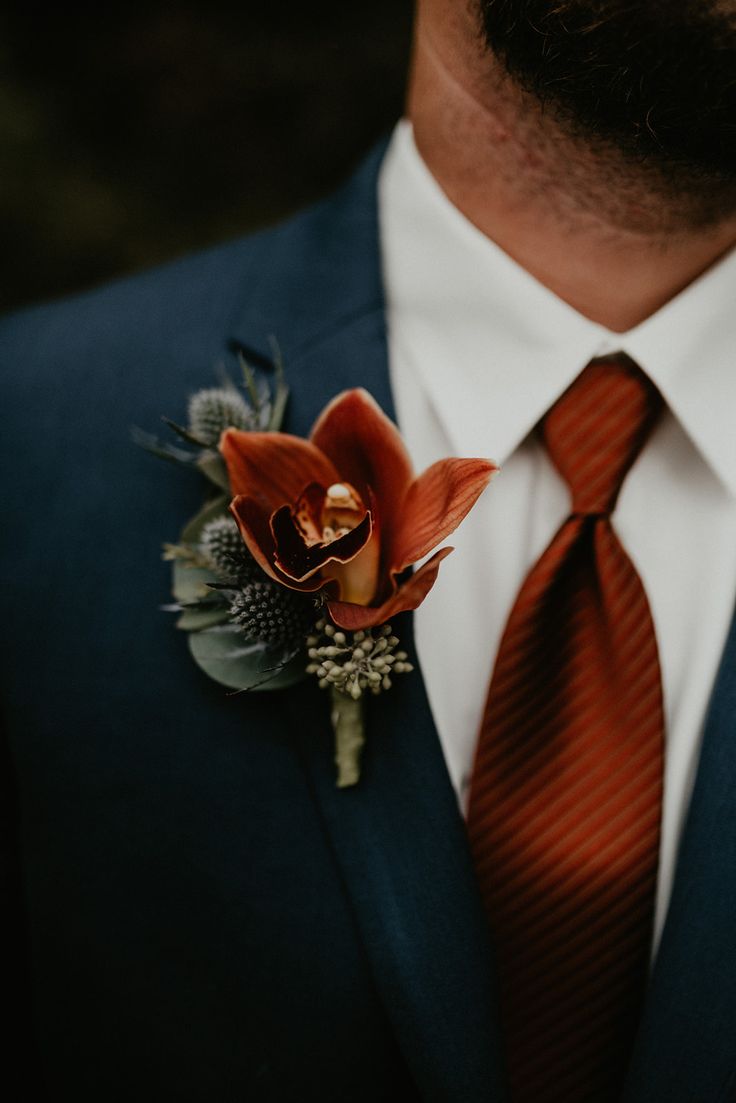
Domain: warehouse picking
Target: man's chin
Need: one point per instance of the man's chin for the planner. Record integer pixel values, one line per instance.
(654, 81)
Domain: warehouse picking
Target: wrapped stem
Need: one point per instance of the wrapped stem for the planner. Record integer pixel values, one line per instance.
(348, 725)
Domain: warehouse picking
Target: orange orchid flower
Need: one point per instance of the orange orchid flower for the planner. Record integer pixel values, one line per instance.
(343, 512)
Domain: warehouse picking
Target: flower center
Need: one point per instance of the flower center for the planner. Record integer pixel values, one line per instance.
(342, 510)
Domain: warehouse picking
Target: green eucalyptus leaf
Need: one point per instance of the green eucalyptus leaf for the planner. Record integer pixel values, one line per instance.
(249, 381)
(196, 619)
(281, 395)
(185, 434)
(192, 530)
(212, 465)
(279, 408)
(169, 452)
(225, 655)
(190, 583)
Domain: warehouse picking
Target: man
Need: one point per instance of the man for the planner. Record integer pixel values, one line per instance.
(208, 916)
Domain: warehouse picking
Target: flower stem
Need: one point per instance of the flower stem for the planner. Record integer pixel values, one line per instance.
(347, 724)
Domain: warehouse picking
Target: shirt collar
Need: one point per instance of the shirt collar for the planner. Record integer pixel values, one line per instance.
(494, 348)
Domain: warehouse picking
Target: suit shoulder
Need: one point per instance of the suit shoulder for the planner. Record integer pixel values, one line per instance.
(197, 293)
(193, 292)
(160, 329)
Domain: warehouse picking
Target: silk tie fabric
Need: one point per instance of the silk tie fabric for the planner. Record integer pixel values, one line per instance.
(565, 800)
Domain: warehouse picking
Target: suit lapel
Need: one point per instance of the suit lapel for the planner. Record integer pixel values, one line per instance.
(687, 1044)
(398, 837)
(400, 843)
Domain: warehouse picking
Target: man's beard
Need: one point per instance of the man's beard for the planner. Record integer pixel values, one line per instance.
(654, 80)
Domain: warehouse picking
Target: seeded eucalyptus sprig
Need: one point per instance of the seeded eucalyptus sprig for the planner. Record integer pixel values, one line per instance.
(355, 662)
(350, 664)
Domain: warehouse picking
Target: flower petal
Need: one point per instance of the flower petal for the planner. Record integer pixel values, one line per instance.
(308, 513)
(408, 596)
(357, 579)
(299, 560)
(273, 468)
(253, 521)
(367, 450)
(434, 506)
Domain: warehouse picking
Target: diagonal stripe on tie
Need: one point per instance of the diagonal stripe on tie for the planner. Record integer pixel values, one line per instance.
(565, 800)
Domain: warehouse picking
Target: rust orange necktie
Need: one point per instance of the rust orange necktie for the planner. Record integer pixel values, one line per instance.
(565, 799)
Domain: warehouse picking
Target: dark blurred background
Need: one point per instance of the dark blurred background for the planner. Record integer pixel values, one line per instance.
(131, 135)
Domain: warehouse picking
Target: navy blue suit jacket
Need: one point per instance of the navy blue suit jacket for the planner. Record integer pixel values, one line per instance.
(207, 916)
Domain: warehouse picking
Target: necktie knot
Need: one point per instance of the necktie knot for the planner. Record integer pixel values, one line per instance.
(595, 431)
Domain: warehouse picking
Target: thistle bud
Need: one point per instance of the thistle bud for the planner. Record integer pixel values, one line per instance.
(271, 613)
(214, 409)
(222, 545)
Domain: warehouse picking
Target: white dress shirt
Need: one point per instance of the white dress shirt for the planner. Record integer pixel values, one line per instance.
(478, 351)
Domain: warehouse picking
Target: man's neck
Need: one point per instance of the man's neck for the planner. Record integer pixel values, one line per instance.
(594, 233)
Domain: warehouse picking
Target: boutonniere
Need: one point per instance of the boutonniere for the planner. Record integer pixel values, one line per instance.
(297, 566)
